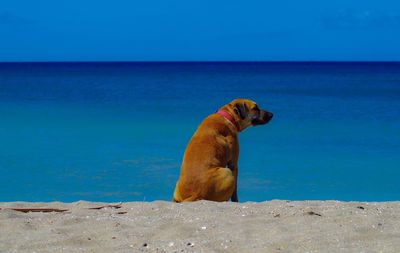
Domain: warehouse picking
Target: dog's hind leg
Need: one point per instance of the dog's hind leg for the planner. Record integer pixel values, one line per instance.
(222, 184)
(218, 185)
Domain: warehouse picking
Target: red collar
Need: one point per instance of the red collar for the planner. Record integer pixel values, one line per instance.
(229, 117)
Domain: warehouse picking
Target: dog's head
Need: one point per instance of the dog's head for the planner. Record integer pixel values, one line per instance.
(247, 113)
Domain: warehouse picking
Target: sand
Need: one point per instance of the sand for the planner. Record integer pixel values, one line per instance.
(273, 226)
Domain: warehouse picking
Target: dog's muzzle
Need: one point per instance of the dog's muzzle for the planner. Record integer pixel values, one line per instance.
(263, 118)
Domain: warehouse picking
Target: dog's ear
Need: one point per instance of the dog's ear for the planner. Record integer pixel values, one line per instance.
(241, 110)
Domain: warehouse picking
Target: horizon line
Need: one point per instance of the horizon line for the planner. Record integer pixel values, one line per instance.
(123, 61)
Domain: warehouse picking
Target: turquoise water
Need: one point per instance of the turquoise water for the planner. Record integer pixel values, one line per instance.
(117, 131)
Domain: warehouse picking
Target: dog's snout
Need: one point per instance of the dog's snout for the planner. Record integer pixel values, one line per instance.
(263, 118)
(267, 115)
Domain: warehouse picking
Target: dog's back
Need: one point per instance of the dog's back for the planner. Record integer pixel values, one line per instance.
(208, 149)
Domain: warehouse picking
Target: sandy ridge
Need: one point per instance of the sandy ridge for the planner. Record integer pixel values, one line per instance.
(273, 226)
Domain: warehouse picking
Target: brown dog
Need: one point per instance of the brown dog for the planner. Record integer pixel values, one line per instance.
(209, 169)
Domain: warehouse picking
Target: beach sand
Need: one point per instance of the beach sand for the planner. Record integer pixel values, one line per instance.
(273, 226)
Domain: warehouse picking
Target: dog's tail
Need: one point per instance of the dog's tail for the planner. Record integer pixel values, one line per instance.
(189, 199)
(177, 197)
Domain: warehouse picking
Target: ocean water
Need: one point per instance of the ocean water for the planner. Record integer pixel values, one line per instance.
(117, 131)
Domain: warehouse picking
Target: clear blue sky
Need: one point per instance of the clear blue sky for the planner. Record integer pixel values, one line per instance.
(184, 30)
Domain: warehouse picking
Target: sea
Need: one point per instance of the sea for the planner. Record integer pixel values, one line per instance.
(117, 131)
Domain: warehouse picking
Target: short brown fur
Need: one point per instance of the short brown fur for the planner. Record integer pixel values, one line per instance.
(209, 169)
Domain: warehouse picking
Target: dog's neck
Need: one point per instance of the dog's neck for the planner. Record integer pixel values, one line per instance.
(229, 117)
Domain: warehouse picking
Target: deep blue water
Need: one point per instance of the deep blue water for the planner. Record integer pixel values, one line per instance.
(117, 131)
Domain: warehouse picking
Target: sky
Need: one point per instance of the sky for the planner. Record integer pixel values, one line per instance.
(208, 30)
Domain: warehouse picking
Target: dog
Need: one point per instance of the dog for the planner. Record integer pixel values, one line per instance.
(209, 169)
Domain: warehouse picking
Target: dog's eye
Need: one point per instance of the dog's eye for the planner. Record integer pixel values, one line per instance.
(255, 108)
